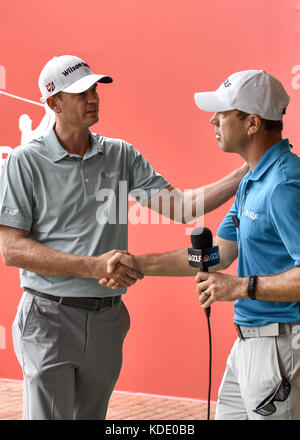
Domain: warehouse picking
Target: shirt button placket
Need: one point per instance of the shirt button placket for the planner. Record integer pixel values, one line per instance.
(86, 179)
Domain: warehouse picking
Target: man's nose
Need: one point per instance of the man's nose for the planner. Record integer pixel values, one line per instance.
(214, 119)
(92, 96)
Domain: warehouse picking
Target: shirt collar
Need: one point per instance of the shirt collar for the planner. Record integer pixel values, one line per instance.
(57, 152)
(269, 158)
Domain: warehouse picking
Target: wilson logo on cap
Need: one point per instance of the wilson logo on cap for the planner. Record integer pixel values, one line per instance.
(74, 68)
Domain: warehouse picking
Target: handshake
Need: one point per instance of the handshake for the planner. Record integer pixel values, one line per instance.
(119, 270)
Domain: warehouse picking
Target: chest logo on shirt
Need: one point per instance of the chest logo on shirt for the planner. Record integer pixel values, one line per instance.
(251, 214)
(110, 174)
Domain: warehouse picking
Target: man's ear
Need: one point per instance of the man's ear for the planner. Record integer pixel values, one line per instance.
(254, 124)
(54, 103)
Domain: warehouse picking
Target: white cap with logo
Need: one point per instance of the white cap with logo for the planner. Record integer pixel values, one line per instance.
(250, 91)
(69, 74)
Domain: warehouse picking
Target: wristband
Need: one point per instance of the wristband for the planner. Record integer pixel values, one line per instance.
(251, 286)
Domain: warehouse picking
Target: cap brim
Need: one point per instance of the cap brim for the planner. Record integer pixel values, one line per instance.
(209, 102)
(86, 82)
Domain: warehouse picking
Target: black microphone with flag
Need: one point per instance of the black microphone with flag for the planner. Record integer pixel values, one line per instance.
(203, 254)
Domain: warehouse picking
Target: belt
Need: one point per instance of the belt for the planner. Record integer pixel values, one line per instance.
(91, 304)
(273, 329)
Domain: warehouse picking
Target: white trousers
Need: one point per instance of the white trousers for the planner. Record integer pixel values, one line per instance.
(71, 358)
(254, 369)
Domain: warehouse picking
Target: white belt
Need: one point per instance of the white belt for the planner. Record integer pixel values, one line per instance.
(273, 329)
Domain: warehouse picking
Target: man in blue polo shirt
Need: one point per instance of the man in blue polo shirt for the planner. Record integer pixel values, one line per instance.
(262, 379)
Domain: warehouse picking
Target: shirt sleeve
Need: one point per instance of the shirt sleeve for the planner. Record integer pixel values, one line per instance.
(144, 182)
(15, 194)
(227, 228)
(285, 216)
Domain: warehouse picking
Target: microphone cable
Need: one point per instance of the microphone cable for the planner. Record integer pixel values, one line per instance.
(207, 313)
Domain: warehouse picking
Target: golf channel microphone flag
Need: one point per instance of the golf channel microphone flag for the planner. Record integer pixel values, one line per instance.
(203, 254)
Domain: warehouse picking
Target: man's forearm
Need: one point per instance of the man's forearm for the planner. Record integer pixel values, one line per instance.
(27, 254)
(184, 207)
(174, 263)
(217, 193)
(35, 257)
(281, 287)
(197, 202)
(284, 287)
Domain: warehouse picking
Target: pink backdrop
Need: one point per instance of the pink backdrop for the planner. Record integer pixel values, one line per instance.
(159, 52)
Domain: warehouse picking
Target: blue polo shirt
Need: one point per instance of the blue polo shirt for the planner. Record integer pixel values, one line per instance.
(267, 205)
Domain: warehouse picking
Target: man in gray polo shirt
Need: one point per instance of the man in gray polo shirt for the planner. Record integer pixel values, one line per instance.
(63, 208)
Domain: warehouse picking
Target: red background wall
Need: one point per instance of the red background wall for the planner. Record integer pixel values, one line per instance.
(159, 52)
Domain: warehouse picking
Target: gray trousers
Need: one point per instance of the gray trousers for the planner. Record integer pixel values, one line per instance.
(71, 358)
(254, 368)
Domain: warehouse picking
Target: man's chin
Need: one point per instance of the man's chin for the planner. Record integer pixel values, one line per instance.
(93, 120)
(224, 148)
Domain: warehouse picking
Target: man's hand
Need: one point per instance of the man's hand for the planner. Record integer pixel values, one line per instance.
(219, 287)
(120, 270)
(119, 274)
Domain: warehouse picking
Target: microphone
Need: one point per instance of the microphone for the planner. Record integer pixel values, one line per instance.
(203, 254)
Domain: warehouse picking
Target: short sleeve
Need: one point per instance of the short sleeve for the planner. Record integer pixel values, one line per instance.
(144, 181)
(227, 228)
(285, 216)
(16, 194)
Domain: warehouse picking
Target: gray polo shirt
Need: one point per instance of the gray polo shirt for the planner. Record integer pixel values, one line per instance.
(72, 204)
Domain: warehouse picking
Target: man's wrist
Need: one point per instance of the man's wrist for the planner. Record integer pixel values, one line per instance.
(140, 263)
(244, 288)
(89, 267)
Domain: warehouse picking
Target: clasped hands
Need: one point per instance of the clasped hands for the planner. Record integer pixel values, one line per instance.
(122, 271)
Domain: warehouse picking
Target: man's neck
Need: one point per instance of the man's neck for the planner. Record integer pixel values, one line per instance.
(259, 147)
(75, 141)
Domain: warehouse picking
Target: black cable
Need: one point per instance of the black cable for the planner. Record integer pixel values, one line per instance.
(207, 312)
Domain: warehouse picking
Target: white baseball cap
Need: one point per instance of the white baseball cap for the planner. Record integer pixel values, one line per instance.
(69, 74)
(250, 91)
